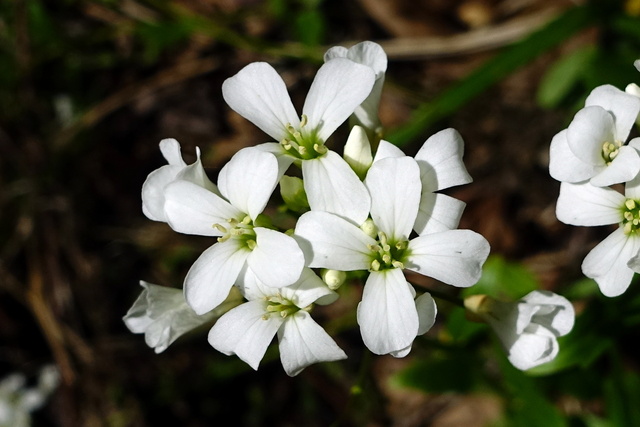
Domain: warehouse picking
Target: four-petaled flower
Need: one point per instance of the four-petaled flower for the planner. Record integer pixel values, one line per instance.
(388, 317)
(248, 329)
(245, 185)
(593, 146)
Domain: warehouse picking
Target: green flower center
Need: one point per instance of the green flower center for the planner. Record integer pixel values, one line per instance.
(303, 143)
(610, 150)
(631, 216)
(240, 230)
(387, 254)
(282, 307)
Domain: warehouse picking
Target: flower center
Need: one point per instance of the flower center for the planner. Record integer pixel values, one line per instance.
(303, 143)
(631, 216)
(386, 254)
(610, 150)
(281, 306)
(241, 230)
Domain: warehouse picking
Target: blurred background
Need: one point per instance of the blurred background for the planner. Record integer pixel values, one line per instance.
(88, 88)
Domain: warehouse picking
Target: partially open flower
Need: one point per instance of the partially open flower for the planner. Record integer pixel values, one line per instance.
(528, 328)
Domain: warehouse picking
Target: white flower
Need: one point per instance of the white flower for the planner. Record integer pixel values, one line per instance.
(528, 328)
(441, 167)
(586, 205)
(372, 55)
(17, 402)
(634, 89)
(248, 329)
(388, 317)
(258, 93)
(593, 146)
(153, 187)
(245, 184)
(162, 315)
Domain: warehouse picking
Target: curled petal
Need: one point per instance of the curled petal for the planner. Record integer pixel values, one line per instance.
(623, 168)
(623, 107)
(440, 161)
(590, 129)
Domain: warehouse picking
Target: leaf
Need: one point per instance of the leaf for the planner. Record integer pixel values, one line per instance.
(563, 76)
(503, 280)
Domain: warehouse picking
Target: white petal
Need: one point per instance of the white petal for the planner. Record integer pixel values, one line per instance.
(607, 262)
(591, 127)
(304, 342)
(623, 168)
(338, 88)
(245, 331)
(191, 209)
(623, 106)
(333, 242)
(387, 313)
(277, 260)
(394, 185)
(557, 313)
(195, 173)
(367, 53)
(565, 166)
(170, 149)
(209, 279)
(248, 180)
(587, 205)
(440, 161)
(283, 157)
(427, 311)
(454, 257)
(438, 212)
(386, 150)
(332, 186)
(533, 349)
(632, 187)
(153, 191)
(259, 94)
(308, 289)
(357, 151)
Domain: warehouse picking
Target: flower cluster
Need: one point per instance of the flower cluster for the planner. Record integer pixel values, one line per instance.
(372, 210)
(588, 158)
(17, 401)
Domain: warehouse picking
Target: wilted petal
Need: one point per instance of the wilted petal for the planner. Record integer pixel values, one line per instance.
(245, 331)
(303, 342)
(387, 313)
(209, 279)
(277, 260)
(623, 107)
(394, 185)
(607, 262)
(623, 168)
(332, 186)
(454, 257)
(590, 129)
(438, 212)
(565, 166)
(333, 242)
(338, 88)
(440, 161)
(192, 209)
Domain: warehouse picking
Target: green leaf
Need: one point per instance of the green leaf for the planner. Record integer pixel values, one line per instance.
(503, 280)
(563, 76)
(453, 371)
(461, 329)
(622, 394)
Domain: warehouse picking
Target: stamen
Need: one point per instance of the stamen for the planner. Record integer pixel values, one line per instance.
(303, 120)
